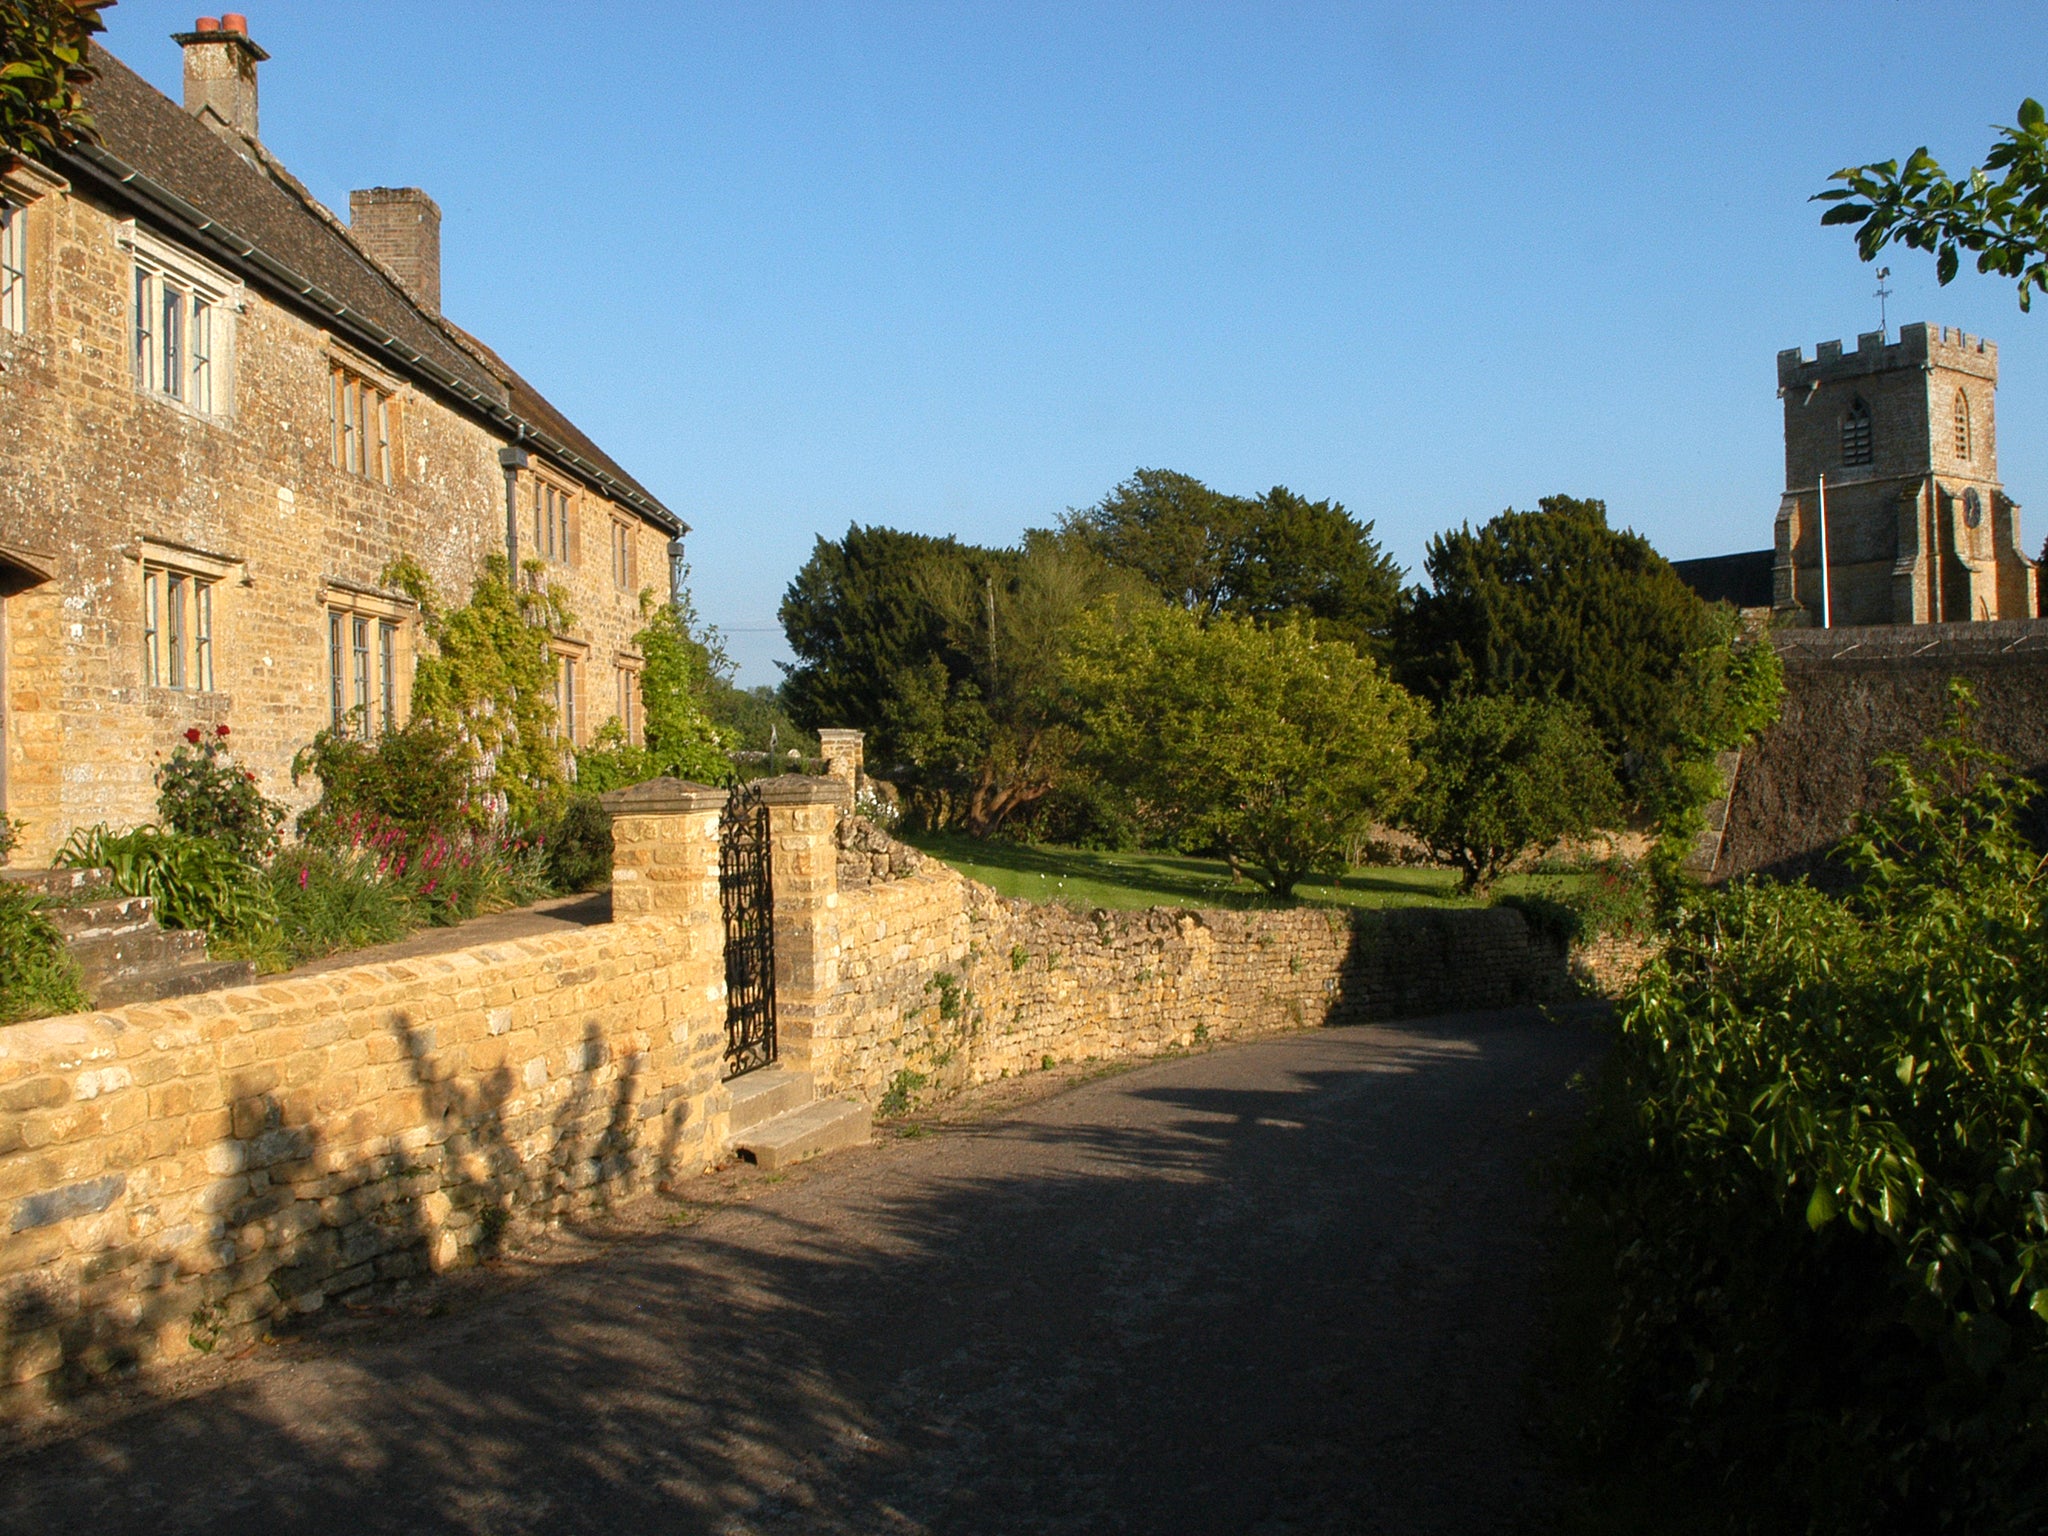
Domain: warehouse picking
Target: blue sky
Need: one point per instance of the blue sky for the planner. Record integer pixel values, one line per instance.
(958, 267)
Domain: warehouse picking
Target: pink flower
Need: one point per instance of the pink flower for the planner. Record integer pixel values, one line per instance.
(302, 879)
(428, 889)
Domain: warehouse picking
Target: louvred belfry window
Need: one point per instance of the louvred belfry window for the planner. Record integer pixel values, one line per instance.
(1856, 436)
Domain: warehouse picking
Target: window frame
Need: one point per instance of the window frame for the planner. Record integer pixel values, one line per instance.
(180, 326)
(625, 554)
(179, 621)
(13, 266)
(360, 410)
(556, 520)
(629, 708)
(1964, 435)
(371, 657)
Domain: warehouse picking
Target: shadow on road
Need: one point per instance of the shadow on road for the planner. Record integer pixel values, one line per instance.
(1278, 1287)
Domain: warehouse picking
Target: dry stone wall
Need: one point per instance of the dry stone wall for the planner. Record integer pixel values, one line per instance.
(943, 980)
(180, 1176)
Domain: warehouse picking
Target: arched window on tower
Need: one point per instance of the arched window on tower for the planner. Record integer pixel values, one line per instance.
(1856, 433)
(1962, 425)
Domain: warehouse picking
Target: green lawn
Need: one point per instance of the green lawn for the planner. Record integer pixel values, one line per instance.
(1091, 878)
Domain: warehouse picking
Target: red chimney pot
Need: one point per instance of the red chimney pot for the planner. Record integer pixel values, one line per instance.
(235, 21)
(206, 24)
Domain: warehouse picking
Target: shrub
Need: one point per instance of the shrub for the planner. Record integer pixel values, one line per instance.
(196, 882)
(579, 846)
(1503, 776)
(201, 793)
(418, 777)
(37, 977)
(442, 878)
(10, 837)
(1274, 748)
(489, 683)
(327, 904)
(1815, 1192)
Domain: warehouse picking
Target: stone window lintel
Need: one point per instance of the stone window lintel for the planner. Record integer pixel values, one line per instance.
(188, 560)
(25, 181)
(371, 602)
(344, 356)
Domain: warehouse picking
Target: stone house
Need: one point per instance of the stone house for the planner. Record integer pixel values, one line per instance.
(1919, 529)
(224, 411)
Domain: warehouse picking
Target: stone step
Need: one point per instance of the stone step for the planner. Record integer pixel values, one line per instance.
(102, 960)
(103, 919)
(764, 1094)
(150, 986)
(57, 883)
(796, 1134)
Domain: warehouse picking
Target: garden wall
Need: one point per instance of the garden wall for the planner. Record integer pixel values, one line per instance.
(942, 979)
(180, 1175)
(183, 1175)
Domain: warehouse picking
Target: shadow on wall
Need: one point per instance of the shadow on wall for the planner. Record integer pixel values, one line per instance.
(292, 1223)
(1804, 782)
(1255, 1291)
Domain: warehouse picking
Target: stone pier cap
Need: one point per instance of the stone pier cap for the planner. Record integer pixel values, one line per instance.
(663, 797)
(801, 789)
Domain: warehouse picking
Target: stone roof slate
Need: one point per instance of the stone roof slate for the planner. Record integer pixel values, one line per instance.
(145, 131)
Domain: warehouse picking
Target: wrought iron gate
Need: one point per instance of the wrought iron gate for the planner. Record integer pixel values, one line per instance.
(745, 893)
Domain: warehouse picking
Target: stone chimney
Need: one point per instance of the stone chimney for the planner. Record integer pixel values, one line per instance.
(220, 74)
(401, 227)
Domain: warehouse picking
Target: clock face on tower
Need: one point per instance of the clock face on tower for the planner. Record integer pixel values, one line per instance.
(1973, 507)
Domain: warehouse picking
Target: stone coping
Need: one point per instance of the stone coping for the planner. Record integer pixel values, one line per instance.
(350, 987)
(801, 789)
(658, 797)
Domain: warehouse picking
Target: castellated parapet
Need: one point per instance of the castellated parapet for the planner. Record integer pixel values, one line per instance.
(1919, 345)
(1902, 437)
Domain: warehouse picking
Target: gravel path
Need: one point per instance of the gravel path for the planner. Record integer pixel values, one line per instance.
(1280, 1287)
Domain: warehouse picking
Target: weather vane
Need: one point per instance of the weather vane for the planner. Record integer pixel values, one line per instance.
(1883, 293)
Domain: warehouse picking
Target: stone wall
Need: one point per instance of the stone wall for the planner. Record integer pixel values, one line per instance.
(1852, 696)
(184, 1175)
(181, 1176)
(940, 978)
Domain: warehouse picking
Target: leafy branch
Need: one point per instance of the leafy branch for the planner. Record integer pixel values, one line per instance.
(1998, 211)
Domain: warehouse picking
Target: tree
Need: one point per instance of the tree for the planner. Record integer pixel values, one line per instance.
(1312, 558)
(1261, 557)
(43, 73)
(1502, 776)
(1555, 604)
(1169, 529)
(947, 654)
(682, 743)
(1259, 741)
(1998, 211)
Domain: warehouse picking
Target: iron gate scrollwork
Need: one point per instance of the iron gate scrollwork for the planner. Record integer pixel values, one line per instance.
(746, 894)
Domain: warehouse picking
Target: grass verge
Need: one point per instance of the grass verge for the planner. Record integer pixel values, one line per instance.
(1092, 877)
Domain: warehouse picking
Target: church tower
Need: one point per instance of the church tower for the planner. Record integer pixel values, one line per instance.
(1919, 531)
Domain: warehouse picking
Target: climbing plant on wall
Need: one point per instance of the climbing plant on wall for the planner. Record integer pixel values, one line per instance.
(490, 677)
